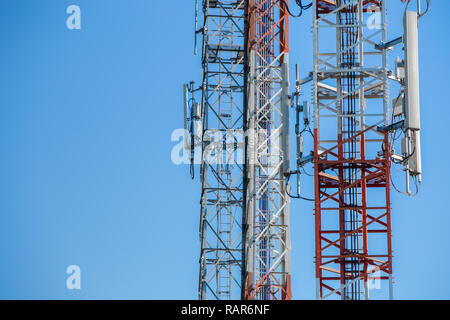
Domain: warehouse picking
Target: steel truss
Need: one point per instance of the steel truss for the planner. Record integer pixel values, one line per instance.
(267, 238)
(222, 182)
(351, 158)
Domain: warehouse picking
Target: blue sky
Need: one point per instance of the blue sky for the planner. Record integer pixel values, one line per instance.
(85, 123)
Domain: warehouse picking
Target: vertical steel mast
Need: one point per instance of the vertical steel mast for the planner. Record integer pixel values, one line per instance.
(351, 157)
(222, 112)
(267, 238)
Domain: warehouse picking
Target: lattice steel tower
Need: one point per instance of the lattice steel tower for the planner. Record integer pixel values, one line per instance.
(222, 107)
(351, 159)
(239, 134)
(267, 241)
(244, 219)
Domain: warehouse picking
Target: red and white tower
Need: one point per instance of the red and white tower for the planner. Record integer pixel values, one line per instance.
(267, 230)
(351, 156)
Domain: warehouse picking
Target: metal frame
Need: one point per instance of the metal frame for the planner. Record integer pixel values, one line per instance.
(267, 246)
(223, 61)
(351, 158)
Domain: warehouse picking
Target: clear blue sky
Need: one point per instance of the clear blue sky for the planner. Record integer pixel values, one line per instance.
(85, 124)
